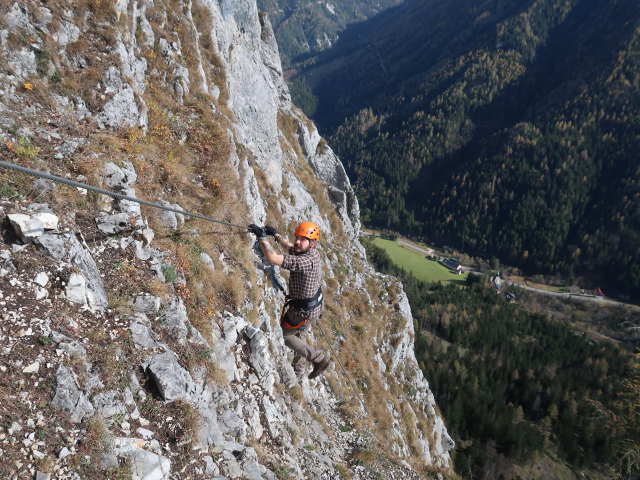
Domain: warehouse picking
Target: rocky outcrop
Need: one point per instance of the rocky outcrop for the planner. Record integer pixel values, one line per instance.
(149, 343)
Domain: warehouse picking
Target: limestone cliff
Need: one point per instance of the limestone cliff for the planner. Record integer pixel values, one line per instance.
(141, 343)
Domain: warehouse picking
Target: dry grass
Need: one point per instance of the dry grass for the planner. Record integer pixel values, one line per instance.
(113, 360)
(157, 288)
(97, 441)
(98, 10)
(343, 471)
(297, 393)
(189, 419)
(351, 318)
(289, 127)
(98, 434)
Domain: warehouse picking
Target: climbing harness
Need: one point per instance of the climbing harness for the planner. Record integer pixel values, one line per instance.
(119, 196)
(307, 304)
(302, 304)
(284, 323)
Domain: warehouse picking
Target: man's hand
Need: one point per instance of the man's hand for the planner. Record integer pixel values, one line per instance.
(257, 231)
(267, 251)
(269, 230)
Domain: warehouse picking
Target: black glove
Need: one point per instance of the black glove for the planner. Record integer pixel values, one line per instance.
(257, 231)
(269, 230)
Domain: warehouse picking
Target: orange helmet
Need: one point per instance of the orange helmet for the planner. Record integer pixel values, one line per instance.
(308, 230)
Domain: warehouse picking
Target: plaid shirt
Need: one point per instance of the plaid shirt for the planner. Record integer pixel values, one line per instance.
(304, 281)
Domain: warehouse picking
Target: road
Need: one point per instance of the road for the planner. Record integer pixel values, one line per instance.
(573, 296)
(414, 247)
(600, 300)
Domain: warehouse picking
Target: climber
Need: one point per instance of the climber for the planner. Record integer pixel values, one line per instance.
(304, 302)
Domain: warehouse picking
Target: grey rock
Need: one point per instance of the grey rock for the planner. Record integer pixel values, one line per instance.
(253, 470)
(26, 227)
(39, 208)
(210, 466)
(261, 361)
(55, 245)
(144, 433)
(72, 347)
(208, 261)
(272, 417)
(108, 404)
(132, 67)
(121, 110)
(43, 185)
(69, 397)
(48, 219)
(66, 34)
(144, 236)
(23, 63)
(117, 178)
(174, 318)
(146, 30)
(173, 381)
(209, 431)
(146, 465)
(108, 461)
(129, 206)
(43, 17)
(70, 147)
(141, 333)
(76, 289)
(222, 354)
(146, 303)
(17, 17)
(231, 424)
(116, 223)
(67, 247)
(171, 219)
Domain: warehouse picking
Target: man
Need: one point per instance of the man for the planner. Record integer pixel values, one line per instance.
(304, 302)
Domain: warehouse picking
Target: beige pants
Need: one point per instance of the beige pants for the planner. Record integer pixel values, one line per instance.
(294, 339)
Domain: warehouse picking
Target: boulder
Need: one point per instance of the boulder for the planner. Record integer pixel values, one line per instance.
(69, 397)
(173, 381)
(26, 227)
(145, 465)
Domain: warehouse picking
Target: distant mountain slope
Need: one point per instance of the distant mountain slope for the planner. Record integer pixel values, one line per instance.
(304, 26)
(505, 129)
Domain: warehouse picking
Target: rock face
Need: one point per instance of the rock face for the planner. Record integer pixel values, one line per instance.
(141, 344)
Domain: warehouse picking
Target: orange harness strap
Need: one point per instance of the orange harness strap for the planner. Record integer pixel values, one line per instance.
(283, 313)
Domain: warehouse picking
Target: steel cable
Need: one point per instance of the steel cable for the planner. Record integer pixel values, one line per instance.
(120, 196)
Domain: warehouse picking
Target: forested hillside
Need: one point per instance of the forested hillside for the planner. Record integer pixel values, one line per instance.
(516, 386)
(507, 129)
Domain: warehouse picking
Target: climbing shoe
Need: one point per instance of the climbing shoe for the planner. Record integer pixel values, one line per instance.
(320, 367)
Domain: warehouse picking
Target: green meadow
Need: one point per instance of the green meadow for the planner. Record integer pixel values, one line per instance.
(418, 264)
